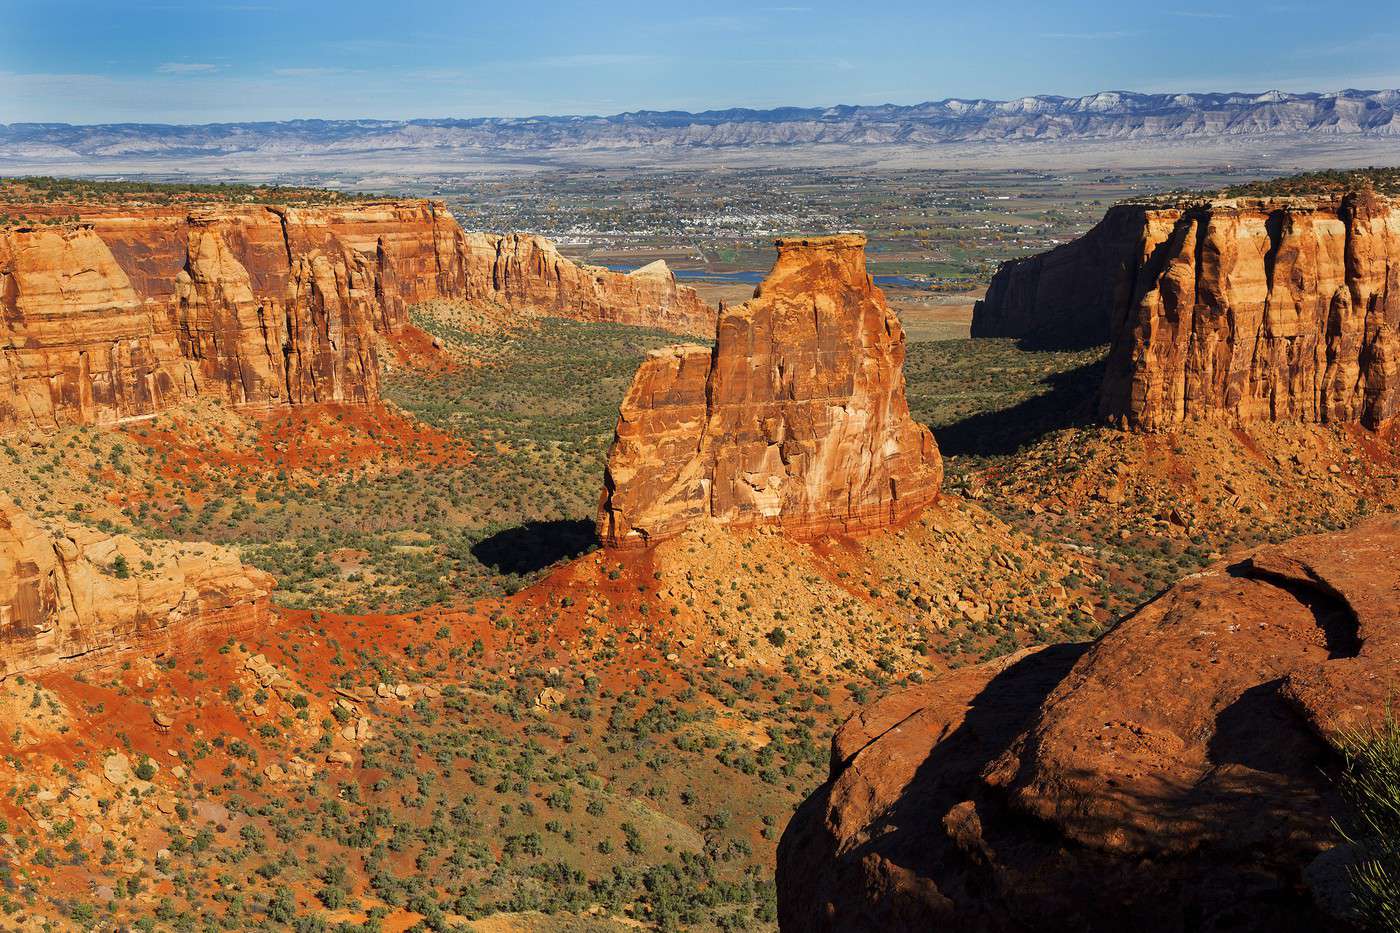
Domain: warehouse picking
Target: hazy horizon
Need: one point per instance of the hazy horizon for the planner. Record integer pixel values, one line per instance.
(157, 61)
(428, 118)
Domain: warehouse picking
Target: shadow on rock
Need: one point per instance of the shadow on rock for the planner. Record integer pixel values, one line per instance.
(902, 851)
(533, 546)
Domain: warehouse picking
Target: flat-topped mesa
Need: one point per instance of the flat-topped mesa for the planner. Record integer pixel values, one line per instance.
(71, 590)
(137, 308)
(1233, 309)
(1263, 311)
(796, 418)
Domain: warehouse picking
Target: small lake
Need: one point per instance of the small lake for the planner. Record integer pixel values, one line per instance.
(754, 278)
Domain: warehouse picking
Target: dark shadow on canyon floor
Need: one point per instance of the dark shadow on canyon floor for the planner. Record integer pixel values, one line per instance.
(1071, 399)
(533, 546)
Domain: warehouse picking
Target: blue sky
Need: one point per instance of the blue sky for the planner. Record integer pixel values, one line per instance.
(86, 61)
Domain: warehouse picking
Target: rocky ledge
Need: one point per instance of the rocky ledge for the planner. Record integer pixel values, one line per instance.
(1172, 776)
(796, 418)
(69, 590)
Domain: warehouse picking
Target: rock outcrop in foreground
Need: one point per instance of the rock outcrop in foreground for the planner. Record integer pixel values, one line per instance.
(75, 590)
(1172, 776)
(132, 310)
(796, 418)
(1233, 309)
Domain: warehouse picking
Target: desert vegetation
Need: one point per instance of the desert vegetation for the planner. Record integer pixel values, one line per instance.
(1370, 782)
(455, 718)
(47, 191)
(1332, 181)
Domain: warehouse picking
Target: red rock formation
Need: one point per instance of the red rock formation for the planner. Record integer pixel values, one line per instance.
(1171, 777)
(796, 418)
(80, 345)
(1264, 310)
(1064, 298)
(135, 309)
(62, 593)
(1232, 309)
(526, 272)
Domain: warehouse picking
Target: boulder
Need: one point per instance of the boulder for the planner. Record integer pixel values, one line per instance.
(1172, 776)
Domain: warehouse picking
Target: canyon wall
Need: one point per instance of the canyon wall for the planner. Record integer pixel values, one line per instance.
(133, 309)
(796, 418)
(526, 272)
(1231, 309)
(69, 590)
(1064, 298)
(1263, 311)
(1172, 776)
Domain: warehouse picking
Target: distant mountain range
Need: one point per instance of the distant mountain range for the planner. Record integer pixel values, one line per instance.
(1110, 115)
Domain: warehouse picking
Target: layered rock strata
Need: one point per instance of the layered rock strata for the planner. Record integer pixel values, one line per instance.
(72, 590)
(1238, 310)
(796, 418)
(130, 311)
(1172, 776)
(527, 273)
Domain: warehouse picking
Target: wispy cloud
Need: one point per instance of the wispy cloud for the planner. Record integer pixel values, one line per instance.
(186, 68)
(596, 60)
(701, 24)
(836, 64)
(367, 46)
(437, 74)
(307, 72)
(146, 98)
(214, 8)
(1365, 43)
(1096, 36)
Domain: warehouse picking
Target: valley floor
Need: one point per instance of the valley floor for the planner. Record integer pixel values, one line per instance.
(465, 713)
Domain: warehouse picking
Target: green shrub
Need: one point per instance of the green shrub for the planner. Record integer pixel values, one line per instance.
(1370, 784)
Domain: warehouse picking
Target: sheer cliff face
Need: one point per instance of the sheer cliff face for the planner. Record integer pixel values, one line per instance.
(132, 311)
(127, 314)
(1238, 310)
(796, 418)
(62, 594)
(1258, 311)
(80, 344)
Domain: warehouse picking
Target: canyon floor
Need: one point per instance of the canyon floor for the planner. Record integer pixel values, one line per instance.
(463, 712)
